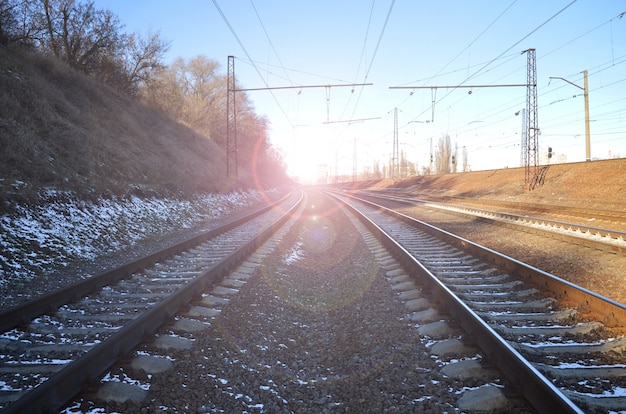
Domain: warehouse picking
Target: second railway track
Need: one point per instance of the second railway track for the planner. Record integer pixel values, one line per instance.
(574, 232)
(573, 336)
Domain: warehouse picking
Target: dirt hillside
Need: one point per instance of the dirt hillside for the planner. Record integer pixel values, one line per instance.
(600, 184)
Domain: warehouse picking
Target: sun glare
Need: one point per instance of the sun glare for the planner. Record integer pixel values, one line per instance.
(307, 169)
(310, 162)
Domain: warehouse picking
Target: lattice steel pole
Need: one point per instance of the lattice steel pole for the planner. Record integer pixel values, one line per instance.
(231, 121)
(532, 130)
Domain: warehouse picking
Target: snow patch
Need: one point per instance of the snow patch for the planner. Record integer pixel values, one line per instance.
(36, 239)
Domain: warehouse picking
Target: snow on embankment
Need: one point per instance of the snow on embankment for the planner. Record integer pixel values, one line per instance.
(35, 239)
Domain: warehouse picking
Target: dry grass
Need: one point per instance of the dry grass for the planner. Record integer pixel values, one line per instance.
(63, 131)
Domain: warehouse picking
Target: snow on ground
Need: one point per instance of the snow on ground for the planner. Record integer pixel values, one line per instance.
(35, 239)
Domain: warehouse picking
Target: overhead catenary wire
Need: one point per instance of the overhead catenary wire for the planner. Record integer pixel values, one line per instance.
(467, 79)
(508, 107)
(367, 30)
(587, 32)
(453, 105)
(369, 68)
(269, 39)
(234, 33)
(593, 70)
(304, 72)
(476, 38)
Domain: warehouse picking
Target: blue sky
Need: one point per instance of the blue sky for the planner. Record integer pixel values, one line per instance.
(409, 43)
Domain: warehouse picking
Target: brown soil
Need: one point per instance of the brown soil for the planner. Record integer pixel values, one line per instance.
(599, 184)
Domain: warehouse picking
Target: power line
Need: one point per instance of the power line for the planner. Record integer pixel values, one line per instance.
(232, 30)
(369, 68)
(477, 37)
(252, 63)
(504, 52)
(521, 40)
(367, 30)
(301, 87)
(619, 16)
(269, 40)
(458, 86)
(593, 71)
(450, 72)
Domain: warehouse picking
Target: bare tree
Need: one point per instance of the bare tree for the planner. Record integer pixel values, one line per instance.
(455, 158)
(78, 33)
(194, 93)
(377, 171)
(137, 62)
(7, 19)
(144, 57)
(407, 168)
(443, 155)
(17, 22)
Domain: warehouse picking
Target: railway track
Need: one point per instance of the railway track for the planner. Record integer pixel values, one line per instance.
(504, 307)
(580, 215)
(558, 343)
(577, 214)
(607, 240)
(274, 337)
(52, 346)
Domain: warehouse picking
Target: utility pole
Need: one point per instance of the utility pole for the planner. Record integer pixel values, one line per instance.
(394, 156)
(585, 90)
(587, 129)
(524, 134)
(336, 166)
(354, 175)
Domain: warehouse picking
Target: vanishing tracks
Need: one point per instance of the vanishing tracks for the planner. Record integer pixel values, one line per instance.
(560, 346)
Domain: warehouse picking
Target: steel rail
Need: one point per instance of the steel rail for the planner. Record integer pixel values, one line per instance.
(610, 312)
(607, 240)
(536, 388)
(63, 385)
(529, 224)
(568, 210)
(608, 215)
(25, 312)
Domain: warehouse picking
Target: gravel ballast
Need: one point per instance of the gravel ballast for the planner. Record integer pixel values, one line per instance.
(317, 328)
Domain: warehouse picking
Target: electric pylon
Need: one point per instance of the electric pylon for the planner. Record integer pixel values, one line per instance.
(532, 123)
